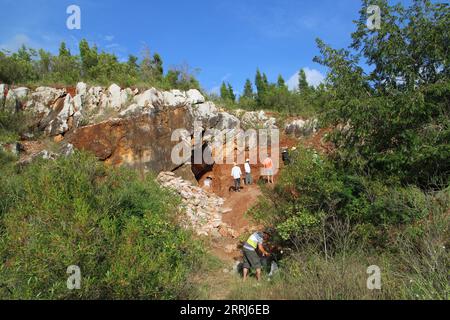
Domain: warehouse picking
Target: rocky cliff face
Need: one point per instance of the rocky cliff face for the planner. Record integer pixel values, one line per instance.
(120, 126)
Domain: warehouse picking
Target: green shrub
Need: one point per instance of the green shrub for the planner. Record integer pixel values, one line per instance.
(121, 231)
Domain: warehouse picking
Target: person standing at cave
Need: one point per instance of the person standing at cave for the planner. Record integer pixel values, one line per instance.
(268, 168)
(248, 172)
(236, 173)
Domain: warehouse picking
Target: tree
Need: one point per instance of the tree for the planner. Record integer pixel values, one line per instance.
(146, 66)
(224, 92)
(280, 82)
(303, 85)
(231, 94)
(396, 117)
(45, 60)
(409, 49)
(157, 65)
(248, 89)
(89, 58)
(63, 51)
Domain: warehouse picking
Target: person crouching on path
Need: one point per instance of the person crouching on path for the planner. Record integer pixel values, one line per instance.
(251, 257)
(236, 174)
(248, 172)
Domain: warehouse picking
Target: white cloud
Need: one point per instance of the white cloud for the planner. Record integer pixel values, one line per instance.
(16, 42)
(109, 38)
(112, 45)
(313, 76)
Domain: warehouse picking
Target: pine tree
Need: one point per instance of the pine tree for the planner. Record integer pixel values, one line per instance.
(280, 82)
(89, 57)
(157, 65)
(303, 86)
(224, 92)
(63, 51)
(259, 82)
(231, 94)
(146, 66)
(248, 89)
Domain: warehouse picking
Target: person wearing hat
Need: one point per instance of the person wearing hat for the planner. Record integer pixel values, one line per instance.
(248, 172)
(236, 174)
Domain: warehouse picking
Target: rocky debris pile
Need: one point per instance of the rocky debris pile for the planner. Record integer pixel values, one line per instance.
(300, 127)
(203, 210)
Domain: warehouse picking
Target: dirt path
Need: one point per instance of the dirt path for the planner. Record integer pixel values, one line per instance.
(219, 283)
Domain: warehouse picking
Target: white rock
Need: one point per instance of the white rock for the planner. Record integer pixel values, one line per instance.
(203, 112)
(21, 93)
(151, 97)
(11, 102)
(3, 88)
(174, 98)
(194, 96)
(227, 121)
(81, 89)
(114, 97)
(125, 97)
(301, 127)
(59, 125)
(133, 109)
(78, 103)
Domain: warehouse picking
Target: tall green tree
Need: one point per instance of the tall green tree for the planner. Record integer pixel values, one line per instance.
(394, 121)
(231, 94)
(248, 89)
(224, 92)
(303, 85)
(63, 50)
(89, 58)
(157, 65)
(280, 82)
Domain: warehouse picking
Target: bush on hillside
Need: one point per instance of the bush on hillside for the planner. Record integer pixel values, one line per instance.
(121, 231)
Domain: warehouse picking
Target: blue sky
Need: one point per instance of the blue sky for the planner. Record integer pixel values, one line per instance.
(227, 40)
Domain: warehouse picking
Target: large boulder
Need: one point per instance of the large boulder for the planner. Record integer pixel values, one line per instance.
(142, 142)
(258, 119)
(114, 97)
(57, 122)
(42, 100)
(81, 89)
(205, 112)
(300, 127)
(11, 102)
(226, 121)
(22, 93)
(174, 98)
(194, 97)
(150, 98)
(95, 98)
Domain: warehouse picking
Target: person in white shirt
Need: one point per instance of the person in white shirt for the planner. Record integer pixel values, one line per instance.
(236, 174)
(248, 170)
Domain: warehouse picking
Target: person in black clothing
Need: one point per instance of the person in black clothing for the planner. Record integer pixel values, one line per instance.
(285, 157)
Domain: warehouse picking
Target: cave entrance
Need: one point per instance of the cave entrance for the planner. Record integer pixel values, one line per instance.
(201, 170)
